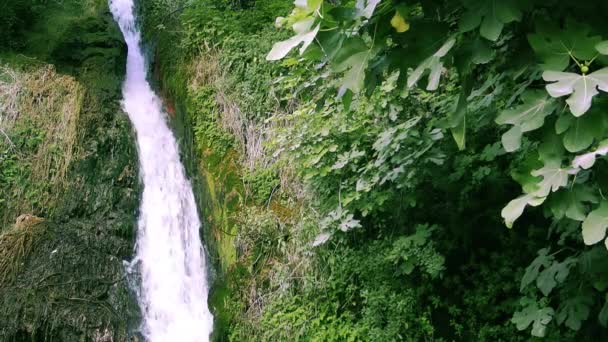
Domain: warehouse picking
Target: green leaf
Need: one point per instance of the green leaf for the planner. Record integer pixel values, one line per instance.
(554, 176)
(470, 20)
(532, 271)
(523, 173)
(350, 46)
(574, 311)
(355, 76)
(555, 46)
(533, 314)
(492, 15)
(526, 117)
(434, 65)
(570, 202)
(353, 58)
(556, 273)
(366, 8)
(587, 160)
(603, 316)
(422, 235)
(330, 42)
(594, 226)
(511, 139)
(602, 47)
(581, 133)
(582, 87)
(478, 51)
(313, 5)
(563, 123)
(458, 121)
(513, 210)
(551, 147)
(482, 52)
(459, 133)
(305, 34)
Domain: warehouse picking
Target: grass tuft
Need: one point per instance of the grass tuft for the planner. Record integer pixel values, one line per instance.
(16, 244)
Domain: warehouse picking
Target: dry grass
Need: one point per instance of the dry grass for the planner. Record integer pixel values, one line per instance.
(280, 255)
(250, 137)
(204, 70)
(11, 84)
(10, 89)
(16, 243)
(54, 102)
(232, 119)
(50, 103)
(279, 268)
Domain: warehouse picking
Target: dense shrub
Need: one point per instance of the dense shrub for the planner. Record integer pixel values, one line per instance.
(15, 17)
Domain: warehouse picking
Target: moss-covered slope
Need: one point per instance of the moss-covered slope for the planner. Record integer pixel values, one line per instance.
(68, 171)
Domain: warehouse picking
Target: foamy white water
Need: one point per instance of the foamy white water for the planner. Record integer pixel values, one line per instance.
(169, 254)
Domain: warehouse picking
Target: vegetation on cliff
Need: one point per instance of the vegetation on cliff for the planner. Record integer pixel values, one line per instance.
(68, 181)
(357, 164)
(370, 208)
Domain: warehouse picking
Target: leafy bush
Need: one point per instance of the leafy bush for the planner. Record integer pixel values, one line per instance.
(263, 183)
(207, 132)
(16, 16)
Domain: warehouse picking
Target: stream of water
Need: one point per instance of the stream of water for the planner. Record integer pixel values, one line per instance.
(169, 254)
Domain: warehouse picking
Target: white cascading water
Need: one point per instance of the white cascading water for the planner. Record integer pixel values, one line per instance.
(169, 254)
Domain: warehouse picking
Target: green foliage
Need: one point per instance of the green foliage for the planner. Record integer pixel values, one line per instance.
(263, 183)
(532, 314)
(360, 296)
(491, 17)
(417, 250)
(15, 174)
(207, 132)
(359, 106)
(527, 117)
(372, 149)
(16, 17)
(363, 55)
(247, 80)
(555, 46)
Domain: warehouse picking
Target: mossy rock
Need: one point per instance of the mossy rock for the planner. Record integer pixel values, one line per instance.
(71, 284)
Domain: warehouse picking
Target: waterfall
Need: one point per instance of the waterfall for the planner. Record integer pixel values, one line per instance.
(169, 255)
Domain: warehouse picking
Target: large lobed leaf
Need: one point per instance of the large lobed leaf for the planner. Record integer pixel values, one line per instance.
(539, 317)
(582, 88)
(555, 47)
(526, 117)
(302, 21)
(305, 35)
(492, 15)
(554, 176)
(434, 65)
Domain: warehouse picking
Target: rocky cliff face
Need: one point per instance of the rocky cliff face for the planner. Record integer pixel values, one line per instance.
(68, 181)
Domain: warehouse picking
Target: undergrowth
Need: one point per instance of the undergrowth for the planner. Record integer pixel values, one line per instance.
(39, 124)
(15, 245)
